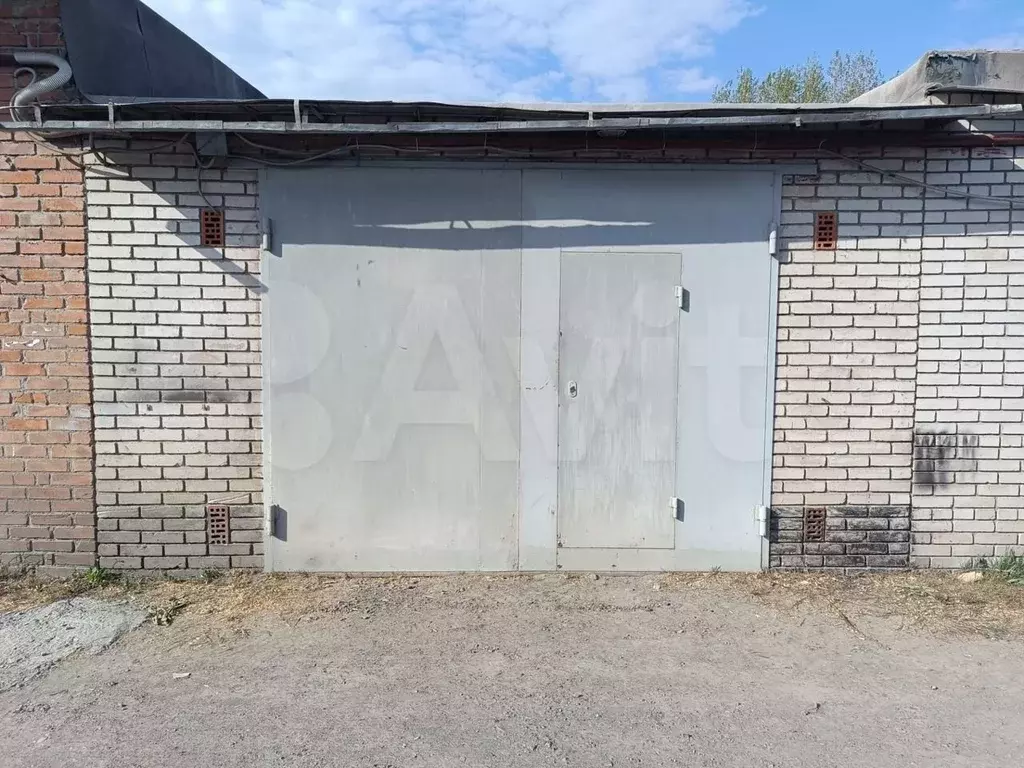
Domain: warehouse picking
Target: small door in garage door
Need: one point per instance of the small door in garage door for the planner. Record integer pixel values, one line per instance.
(618, 356)
(655, 402)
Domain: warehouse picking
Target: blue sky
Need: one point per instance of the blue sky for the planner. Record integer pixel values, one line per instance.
(565, 50)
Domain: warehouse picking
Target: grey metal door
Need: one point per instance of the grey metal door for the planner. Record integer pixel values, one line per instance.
(392, 369)
(482, 368)
(618, 357)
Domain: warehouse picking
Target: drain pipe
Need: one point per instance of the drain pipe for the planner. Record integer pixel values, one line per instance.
(35, 89)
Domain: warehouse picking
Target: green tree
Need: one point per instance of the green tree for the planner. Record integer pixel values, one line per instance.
(847, 77)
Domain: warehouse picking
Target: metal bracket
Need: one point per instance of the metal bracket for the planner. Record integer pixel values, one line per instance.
(212, 143)
(678, 508)
(762, 520)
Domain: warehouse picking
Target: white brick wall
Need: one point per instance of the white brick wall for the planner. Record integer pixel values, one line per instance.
(176, 361)
(866, 371)
(848, 334)
(970, 385)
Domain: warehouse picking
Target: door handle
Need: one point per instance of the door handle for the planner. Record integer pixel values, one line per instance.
(572, 389)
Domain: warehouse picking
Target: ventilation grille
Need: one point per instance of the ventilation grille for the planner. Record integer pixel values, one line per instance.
(211, 228)
(217, 524)
(814, 524)
(826, 231)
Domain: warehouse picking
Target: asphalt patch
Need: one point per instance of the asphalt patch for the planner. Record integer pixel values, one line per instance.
(32, 641)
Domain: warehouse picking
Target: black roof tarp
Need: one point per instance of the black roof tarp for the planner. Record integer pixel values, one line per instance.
(123, 51)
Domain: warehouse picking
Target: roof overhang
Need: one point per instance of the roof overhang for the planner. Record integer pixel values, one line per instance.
(391, 118)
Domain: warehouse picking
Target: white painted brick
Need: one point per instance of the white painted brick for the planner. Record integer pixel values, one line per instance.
(150, 296)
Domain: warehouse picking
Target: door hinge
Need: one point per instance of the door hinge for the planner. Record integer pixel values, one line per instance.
(678, 508)
(773, 244)
(268, 234)
(277, 522)
(762, 520)
(683, 298)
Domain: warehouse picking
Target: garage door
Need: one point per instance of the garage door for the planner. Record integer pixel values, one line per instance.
(484, 369)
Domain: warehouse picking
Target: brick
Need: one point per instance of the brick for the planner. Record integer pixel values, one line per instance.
(142, 550)
(121, 563)
(887, 561)
(209, 562)
(185, 549)
(247, 561)
(163, 563)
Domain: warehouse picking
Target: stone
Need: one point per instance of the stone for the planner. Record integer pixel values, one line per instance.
(971, 577)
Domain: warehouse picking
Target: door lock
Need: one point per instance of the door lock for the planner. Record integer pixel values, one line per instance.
(573, 390)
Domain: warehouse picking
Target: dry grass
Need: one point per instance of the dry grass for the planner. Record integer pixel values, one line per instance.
(232, 597)
(932, 601)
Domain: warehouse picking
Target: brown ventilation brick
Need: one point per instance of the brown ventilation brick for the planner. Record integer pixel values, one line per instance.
(826, 230)
(217, 524)
(211, 228)
(814, 524)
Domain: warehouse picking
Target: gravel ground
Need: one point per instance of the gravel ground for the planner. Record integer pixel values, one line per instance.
(548, 671)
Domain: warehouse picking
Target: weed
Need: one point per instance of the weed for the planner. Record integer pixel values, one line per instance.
(1009, 567)
(97, 577)
(210, 575)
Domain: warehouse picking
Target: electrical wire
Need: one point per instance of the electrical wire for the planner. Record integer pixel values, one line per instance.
(271, 148)
(907, 180)
(435, 151)
(948, 191)
(199, 173)
(486, 149)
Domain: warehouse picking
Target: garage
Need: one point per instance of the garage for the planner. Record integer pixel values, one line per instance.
(482, 367)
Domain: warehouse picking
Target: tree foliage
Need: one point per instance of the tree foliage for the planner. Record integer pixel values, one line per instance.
(848, 76)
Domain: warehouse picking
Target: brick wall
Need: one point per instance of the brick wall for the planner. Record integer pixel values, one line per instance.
(901, 361)
(970, 388)
(176, 360)
(899, 350)
(46, 494)
(847, 352)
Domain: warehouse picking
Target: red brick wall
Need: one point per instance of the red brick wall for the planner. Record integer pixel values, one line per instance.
(46, 467)
(46, 475)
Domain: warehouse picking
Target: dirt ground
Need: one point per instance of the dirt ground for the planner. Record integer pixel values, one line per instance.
(554, 670)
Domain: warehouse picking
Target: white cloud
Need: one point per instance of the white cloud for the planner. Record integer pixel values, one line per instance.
(694, 80)
(468, 50)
